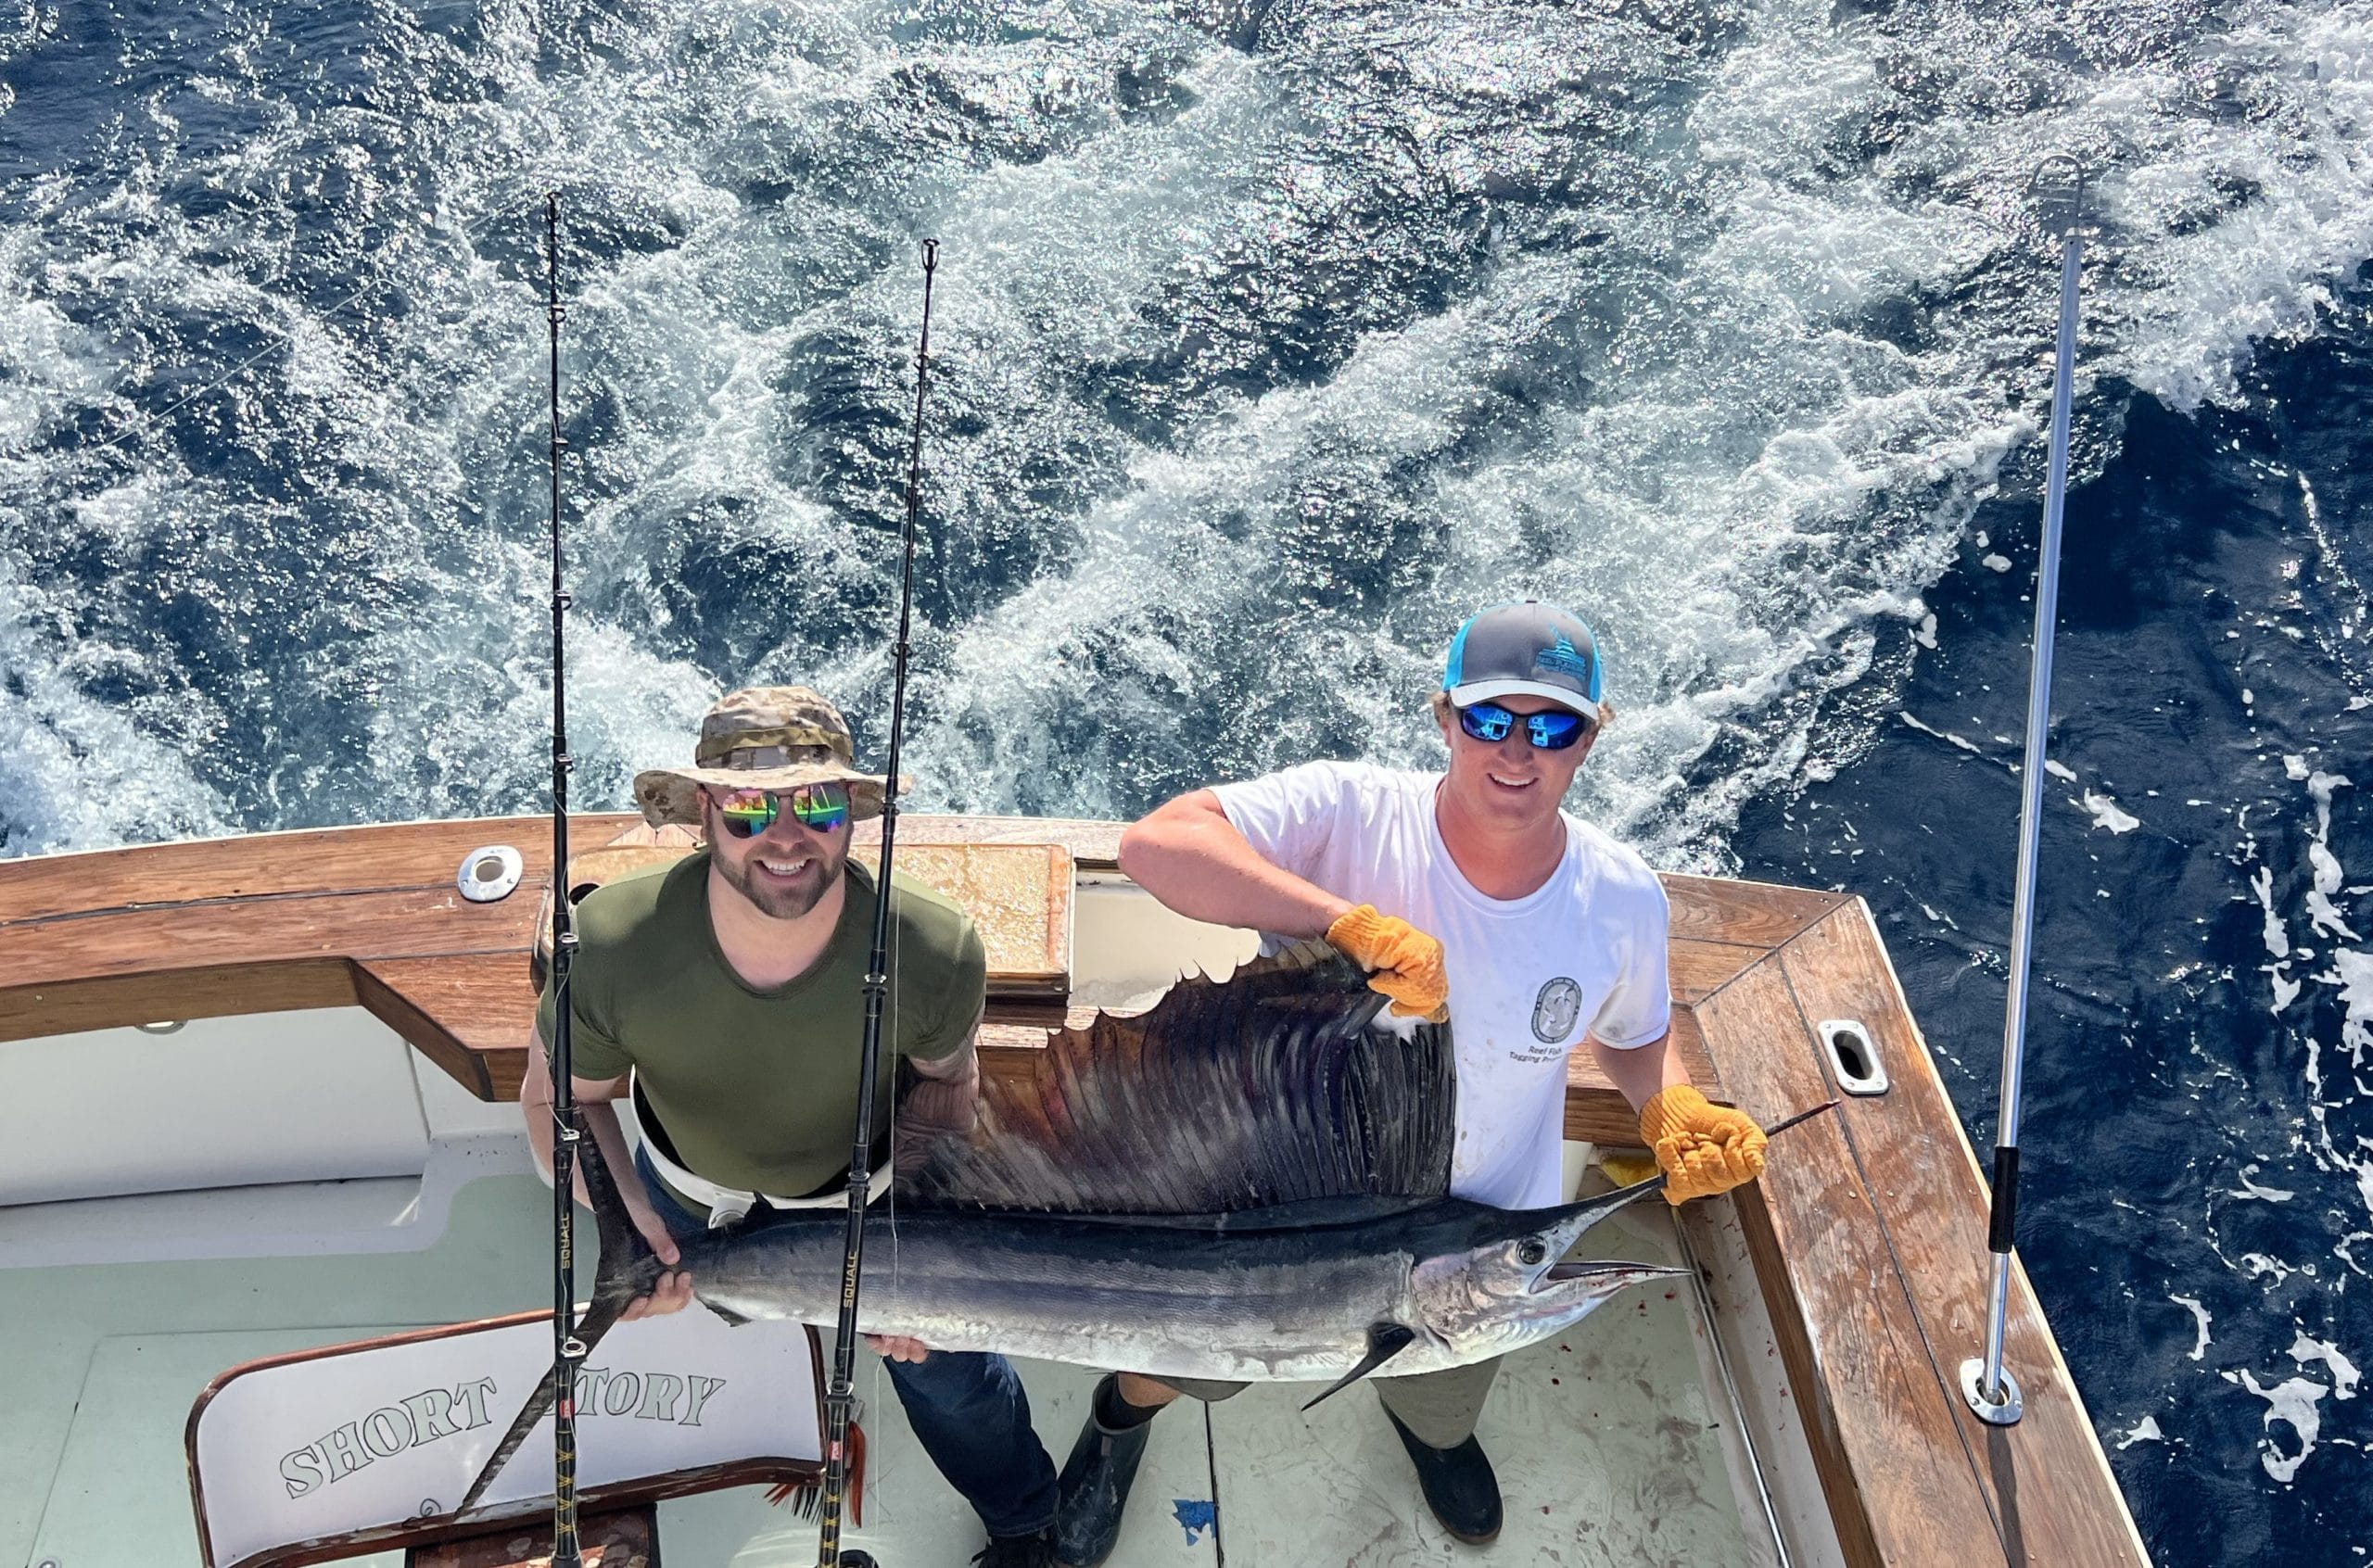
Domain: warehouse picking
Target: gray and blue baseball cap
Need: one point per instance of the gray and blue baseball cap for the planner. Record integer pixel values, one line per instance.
(1525, 648)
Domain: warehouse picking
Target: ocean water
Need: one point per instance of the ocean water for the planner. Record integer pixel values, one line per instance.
(1272, 338)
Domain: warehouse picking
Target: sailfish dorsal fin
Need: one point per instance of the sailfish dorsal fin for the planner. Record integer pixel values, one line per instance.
(1277, 1084)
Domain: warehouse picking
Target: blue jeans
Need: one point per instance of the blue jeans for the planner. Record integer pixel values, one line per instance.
(967, 1408)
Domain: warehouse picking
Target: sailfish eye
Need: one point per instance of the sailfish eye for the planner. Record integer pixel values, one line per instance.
(1531, 1252)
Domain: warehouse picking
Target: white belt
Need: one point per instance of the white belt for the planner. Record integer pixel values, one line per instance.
(727, 1205)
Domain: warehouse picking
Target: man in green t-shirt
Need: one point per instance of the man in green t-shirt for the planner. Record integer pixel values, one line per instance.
(725, 993)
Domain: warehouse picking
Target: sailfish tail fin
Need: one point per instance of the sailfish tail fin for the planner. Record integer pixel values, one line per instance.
(629, 1269)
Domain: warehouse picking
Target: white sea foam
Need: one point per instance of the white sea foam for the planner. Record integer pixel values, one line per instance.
(2106, 812)
(2278, 940)
(1948, 737)
(2307, 1352)
(2251, 1189)
(2143, 1430)
(2353, 971)
(2201, 1321)
(2292, 1401)
(2326, 918)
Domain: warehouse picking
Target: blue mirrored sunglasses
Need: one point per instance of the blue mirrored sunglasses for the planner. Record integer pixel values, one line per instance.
(1552, 729)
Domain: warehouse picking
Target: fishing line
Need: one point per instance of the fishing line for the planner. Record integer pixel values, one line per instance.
(873, 1452)
(1212, 1462)
(876, 983)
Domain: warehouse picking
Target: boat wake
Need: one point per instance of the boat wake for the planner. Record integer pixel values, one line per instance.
(1277, 337)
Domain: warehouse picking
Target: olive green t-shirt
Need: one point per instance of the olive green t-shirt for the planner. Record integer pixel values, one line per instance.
(757, 1088)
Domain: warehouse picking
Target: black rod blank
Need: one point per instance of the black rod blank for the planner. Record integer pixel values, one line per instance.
(567, 1351)
(877, 986)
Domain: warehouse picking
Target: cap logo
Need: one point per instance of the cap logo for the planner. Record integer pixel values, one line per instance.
(1561, 658)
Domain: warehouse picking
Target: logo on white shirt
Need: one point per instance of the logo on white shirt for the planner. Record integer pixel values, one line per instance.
(1554, 1010)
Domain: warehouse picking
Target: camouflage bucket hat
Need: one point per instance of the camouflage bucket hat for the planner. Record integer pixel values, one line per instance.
(761, 738)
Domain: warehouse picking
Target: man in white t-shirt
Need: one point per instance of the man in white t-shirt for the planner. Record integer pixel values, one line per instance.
(1469, 890)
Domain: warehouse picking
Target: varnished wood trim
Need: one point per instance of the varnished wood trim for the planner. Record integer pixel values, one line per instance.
(755, 1471)
(1762, 914)
(617, 1538)
(154, 996)
(252, 865)
(1699, 968)
(391, 1006)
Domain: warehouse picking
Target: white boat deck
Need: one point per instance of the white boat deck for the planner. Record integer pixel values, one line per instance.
(1609, 1447)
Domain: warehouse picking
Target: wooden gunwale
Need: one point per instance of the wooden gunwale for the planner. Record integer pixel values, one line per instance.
(1867, 1229)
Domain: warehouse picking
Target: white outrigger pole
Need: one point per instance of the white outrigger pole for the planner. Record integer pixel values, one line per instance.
(1992, 1393)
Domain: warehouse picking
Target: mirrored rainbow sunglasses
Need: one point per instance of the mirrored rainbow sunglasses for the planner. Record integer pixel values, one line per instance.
(749, 812)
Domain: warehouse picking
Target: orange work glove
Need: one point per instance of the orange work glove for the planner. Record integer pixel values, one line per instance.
(1703, 1149)
(1404, 962)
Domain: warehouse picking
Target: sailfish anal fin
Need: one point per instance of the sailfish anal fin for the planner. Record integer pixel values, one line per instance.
(1386, 1340)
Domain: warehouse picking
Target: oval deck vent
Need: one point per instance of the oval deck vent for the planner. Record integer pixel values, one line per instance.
(487, 875)
(1853, 1057)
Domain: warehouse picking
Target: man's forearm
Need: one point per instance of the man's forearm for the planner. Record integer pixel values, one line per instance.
(938, 1102)
(601, 1120)
(1639, 1072)
(1188, 856)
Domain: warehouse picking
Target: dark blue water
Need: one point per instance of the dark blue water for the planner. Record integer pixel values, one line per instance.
(1273, 337)
(2182, 1137)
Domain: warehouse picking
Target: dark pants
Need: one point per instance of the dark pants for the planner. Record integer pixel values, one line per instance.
(968, 1410)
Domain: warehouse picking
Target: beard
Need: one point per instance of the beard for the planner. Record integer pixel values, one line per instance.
(780, 899)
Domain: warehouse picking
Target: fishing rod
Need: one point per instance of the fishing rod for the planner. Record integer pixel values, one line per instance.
(877, 986)
(1986, 1385)
(567, 1349)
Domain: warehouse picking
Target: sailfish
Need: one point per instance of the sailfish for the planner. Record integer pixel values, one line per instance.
(1250, 1180)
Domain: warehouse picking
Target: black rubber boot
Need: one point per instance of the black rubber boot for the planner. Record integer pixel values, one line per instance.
(1014, 1551)
(1094, 1484)
(1458, 1484)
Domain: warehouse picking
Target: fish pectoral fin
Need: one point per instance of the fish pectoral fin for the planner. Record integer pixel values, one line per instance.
(733, 1319)
(1386, 1340)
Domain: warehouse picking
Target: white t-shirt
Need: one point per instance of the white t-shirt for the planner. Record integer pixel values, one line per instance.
(1583, 954)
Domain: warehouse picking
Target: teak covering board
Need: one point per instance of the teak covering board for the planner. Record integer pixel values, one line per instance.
(1868, 1229)
(371, 916)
